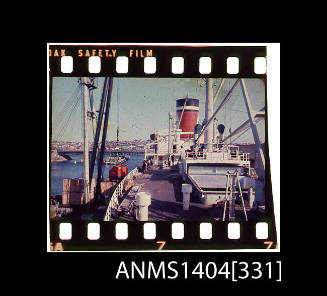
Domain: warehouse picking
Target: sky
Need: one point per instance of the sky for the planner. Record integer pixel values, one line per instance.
(144, 104)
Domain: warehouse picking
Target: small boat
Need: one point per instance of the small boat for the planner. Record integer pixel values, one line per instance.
(115, 160)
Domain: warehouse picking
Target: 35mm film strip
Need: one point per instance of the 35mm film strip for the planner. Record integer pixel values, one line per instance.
(131, 61)
(156, 147)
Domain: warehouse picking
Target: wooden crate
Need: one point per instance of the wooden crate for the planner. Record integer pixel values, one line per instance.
(76, 185)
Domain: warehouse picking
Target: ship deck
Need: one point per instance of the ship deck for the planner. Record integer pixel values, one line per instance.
(164, 185)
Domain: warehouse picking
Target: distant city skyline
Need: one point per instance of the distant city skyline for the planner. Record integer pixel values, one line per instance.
(144, 104)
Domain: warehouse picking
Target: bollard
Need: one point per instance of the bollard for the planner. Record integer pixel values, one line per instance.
(142, 201)
(186, 189)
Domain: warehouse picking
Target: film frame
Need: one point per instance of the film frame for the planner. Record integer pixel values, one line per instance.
(163, 240)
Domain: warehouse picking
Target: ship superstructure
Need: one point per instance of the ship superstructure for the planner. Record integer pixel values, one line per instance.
(217, 170)
(168, 144)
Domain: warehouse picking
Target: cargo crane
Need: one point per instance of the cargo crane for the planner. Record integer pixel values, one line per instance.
(102, 123)
(88, 85)
(253, 118)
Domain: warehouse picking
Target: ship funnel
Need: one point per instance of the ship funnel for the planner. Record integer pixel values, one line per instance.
(221, 129)
(187, 111)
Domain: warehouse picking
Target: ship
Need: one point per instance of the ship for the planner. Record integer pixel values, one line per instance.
(113, 160)
(192, 172)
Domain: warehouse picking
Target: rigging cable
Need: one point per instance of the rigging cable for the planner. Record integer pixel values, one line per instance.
(117, 111)
(63, 111)
(62, 128)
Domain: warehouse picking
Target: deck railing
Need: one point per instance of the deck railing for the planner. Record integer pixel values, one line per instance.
(223, 156)
(245, 156)
(119, 191)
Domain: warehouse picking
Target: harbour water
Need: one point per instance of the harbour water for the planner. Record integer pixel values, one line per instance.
(74, 169)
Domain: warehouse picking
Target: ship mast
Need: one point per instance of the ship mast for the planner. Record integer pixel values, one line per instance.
(208, 135)
(92, 86)
(98, 154)
(85, 99)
